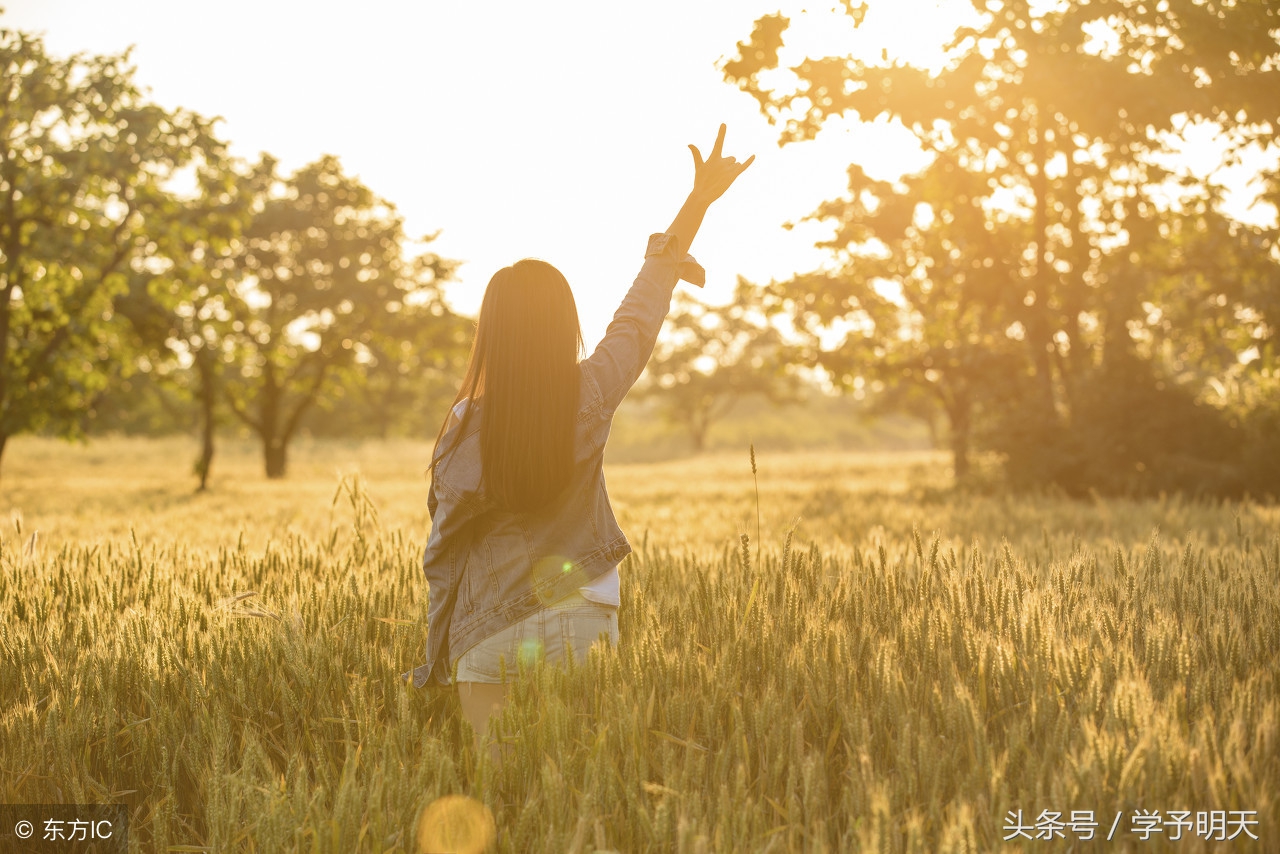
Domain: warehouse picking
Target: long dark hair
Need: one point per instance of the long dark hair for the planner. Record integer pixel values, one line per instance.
(523, 370)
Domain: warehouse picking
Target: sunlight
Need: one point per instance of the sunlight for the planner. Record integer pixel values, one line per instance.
(913, 32)
(456, 823)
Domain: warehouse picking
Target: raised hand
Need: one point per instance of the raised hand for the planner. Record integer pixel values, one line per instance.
(711, 177)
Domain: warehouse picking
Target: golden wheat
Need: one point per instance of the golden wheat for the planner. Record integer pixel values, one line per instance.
(897, 670)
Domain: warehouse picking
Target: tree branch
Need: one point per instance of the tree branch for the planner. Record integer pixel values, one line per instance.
(307, 398)
(241, 412)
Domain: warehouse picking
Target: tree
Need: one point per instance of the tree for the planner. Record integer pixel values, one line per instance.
(83, 164)
(320, 273)
(1204, 291)
(924, 286)
(179, 303)
(1059, 116)
(406, 377)
(710, 357)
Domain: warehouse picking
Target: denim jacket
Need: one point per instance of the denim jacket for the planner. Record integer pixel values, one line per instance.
(488, 568)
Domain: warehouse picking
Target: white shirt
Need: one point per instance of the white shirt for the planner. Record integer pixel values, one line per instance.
(603, 589)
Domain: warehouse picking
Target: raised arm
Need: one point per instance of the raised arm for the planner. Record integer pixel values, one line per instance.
(711, 177)
(622, 354)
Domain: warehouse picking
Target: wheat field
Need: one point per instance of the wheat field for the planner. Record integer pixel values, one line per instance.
(859, 658)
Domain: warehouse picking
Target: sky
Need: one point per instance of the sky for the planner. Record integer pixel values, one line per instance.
(556, 130)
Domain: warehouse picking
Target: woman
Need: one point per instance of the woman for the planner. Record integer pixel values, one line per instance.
(524, 547)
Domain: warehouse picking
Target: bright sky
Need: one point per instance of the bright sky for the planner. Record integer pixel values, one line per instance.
(550, 129)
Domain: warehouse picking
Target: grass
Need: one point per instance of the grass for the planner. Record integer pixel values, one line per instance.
(896, 668)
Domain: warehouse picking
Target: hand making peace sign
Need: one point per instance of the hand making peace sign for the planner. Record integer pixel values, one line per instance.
(711, 177)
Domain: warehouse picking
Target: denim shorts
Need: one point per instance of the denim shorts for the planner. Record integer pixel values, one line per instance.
(572, 623)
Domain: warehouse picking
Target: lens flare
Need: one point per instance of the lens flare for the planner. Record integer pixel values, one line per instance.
(455, 824)
(530, 651)
(546, 572)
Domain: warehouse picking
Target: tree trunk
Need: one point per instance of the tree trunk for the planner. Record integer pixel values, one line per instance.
(269, 417)
(931, 423)
(698, 432)
(4, 437)
(699, 422)
(274, 456)
(960, 448)
(1074, 292)
(1039, 335)
(205, 371)
(958, 414)
(1119, 304)
(383, 413)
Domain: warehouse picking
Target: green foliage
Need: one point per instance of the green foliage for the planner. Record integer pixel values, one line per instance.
(925, 286)
(84, 159)
(323, 287)
(179, 303)
(1130, 433)
(708, 358)
(1050, 234)
(1151, 411)
(351, 355)
(144, 403)
(250, 288)
(407, 379)
(1251, 399)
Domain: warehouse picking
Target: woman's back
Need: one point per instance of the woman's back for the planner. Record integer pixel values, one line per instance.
(523, 538)
(507, 563)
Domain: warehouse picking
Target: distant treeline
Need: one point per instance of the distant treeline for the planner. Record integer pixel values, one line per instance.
(1054, 286)
(1057, 282)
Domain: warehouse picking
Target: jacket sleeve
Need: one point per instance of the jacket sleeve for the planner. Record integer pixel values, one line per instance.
(442, 563)
(621, 355)
(447, 523)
